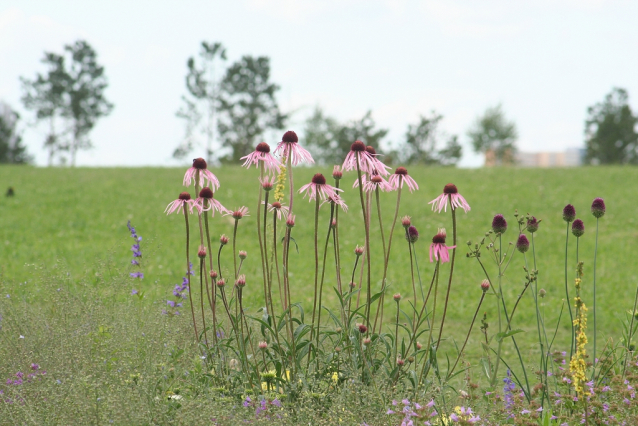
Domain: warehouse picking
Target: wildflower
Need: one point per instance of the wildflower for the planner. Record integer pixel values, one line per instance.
(206, 202)
(578, 228)
(397, 297)
(200, 174)
(239, 213)
(35, 367)
(532, 224)
(336, 199)
(289, 147)
(262, 153)
(221, 283)
(485, 285)
(400, 362)
(569, 213)
(366, 160)
(137, 275)
(183, 201)
(598, 208)
(522, 244)
(290, 222)
(337, 174)
(242, 254)
(201, 252)
(266, 183)
(241, 281)
(263, 345)
(319, 187)
(223, 240)
(508, 390)
(450, 192)
(438, 247)
(371, 185)
(412, 234)
(399, 177)
(362, 328)
(430, 404)
(499, 224)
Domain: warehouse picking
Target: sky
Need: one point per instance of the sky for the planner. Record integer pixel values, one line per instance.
(544, 61)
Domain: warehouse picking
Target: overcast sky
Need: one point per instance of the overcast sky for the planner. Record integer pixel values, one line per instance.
(545, 61)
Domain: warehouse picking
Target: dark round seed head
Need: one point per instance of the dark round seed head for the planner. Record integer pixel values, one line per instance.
(401, 171)
(206, 192)
(439, 238)
(290, 137)
(450, 188)
(276, 205)
(598, 207)
(185, 196)
(358, 146)
(569, 213)
(262, 147)
(499, 224)
(376, 179)
(578, 228)
(319, 179)
(199, 163)
(413, 234)
(362, 328)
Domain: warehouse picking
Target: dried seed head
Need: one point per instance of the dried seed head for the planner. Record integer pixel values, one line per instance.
(569, 213)
(598, 207)
(522, 244)
(263, 147)
(200, 163)
(401, 171)
(184, 196)
(578, 228)
(440, 236)
(412, 235)
(201, 253)
(485, 285)
(397, 297)
(358, 146)
(337, 173)
(499, 224)
(532, 224)
(319, 179)
(242, 254)
(206, 193)
(405, 221)
(290, 137)
(223, 240)
(450, 188)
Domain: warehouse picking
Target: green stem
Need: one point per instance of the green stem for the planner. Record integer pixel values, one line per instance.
(466, 337)
(449, 284)
(367, 243)
(188, 270)
(569, 306)
(595, 326)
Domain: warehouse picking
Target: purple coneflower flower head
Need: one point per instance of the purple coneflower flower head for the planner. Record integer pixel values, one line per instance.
(438, 249)
(184, 200)
(376, 181)
(199, 173)
(337, 173)
(262, 153)
(319, 187)
(412, 234)
(267, 183)
(239, 213)
(206, 202)
(569, 213)
(379, 167)
(450, 192)
(336, 199)
(578, 228)
(366, 160)
(278, 208)
(532, 224)
(289, 147)
(399, 177)
(598, 207)
(522, 244)
(499, 224)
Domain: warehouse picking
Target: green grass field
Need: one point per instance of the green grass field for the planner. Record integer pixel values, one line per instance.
(70, 225)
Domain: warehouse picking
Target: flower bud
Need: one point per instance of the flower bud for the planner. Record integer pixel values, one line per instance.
(532, 224)
(201, 253)
(221, 283)
(362, 328)
(569, 213)
(542, 292)
(598, 207)
(358, 250)
(263, 345)
(412, 235)
(242, 254)
(213, 274)
(223, 240)
(499, 224)
(411, 359)
(419, 346)
(522, 244)
(290, 222)
(338, 349)
(266, 185)
(485, 285)
(397, 297)
(400, 362)
(333, 224)
(367, 341)
(578, 228)
(405, 221)
(241, 281)
(337, 173)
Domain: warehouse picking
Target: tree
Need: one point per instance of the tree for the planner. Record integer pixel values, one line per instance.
(422, 141)
(11, 148)
(610, 131)
(46, 96)
(247, 105)
(202, 94)
(73, 90)
(494, 136)
(329, 141)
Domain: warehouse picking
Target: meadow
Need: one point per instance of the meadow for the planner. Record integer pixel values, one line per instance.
(65, 263)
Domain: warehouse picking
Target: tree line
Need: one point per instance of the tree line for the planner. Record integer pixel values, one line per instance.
(227, 109)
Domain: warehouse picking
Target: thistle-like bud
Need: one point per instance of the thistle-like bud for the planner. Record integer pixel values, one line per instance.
(266, 185)
(352, 285)
(201, 253)
(241, 281)
(532, 224)
(578, 228)
(338, 349)
(362, 328)
(569, 213)
(221, 283)
(337, 173)
(598, 207)
(522, 244)
(223, 240)
(397, 297)
(358, 250)
(367, 341)
(542, 292)
(485, 285)
(333, 224)
(290, 222)
(242, 254)
(400, 362)
(412, 235)
(213, 274)
(499, 224)
(419, 346)
(405, 221)
(263, 345)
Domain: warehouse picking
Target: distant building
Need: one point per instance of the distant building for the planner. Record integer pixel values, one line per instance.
(571, 157)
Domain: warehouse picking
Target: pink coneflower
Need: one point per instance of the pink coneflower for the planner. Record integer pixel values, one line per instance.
(438, 247)
(267, 183)
(199, 170)
(370, 184)
(366, 160)
(289, 147)
(262, 153)
(318, 186)
(276, 206)
(206, 202)
(378, 164)
(239, 213)
(337, 173)
(336, 199)
(184, 200)
(456, 200)
(399, 177)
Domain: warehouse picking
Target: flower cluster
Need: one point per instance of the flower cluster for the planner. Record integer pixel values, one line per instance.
(179, 293)
(137, 253)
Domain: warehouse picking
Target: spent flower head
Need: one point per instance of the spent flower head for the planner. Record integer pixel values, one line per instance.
(412, 234)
